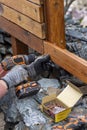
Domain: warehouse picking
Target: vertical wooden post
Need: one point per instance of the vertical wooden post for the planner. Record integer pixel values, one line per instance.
(54, 17)
(18, 47)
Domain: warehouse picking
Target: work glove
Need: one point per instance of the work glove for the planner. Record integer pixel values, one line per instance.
(29, 58)
(38, 66)
(21, 73)
(17, 75)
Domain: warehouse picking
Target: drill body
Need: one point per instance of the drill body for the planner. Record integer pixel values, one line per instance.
(10, 62)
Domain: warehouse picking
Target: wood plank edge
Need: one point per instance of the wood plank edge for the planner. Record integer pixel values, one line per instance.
(67, 60)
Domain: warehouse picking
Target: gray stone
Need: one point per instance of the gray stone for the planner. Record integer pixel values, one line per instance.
(7, 39)
(2, 49)
(20, 126)
(12, 114)
(0, 57)
(45, 83)
(9, 50)
(84, 30)
(28, 109)
(1, 38)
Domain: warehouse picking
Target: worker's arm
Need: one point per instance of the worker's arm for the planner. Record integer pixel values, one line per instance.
(20, 73)
(14, 77)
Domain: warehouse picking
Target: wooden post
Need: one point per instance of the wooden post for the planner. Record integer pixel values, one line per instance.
(18, 47)
(54, 17)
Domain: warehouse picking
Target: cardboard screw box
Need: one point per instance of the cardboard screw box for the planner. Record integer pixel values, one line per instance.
(59, 106)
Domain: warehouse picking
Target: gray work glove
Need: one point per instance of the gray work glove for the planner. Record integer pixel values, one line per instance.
(38, 66)
(17, 75)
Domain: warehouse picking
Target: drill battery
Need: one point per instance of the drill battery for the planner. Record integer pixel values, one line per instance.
(10, 62)
(27, 89)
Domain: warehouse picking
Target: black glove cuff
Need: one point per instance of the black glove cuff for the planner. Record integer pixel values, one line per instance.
(5, 82)
(31, 58)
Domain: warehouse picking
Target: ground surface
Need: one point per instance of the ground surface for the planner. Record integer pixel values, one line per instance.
(2, 123)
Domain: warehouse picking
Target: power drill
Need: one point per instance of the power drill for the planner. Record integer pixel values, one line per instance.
(27, 89)
(10, 62)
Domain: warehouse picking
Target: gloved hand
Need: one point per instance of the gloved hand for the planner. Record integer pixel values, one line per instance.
(29, 58)
(20, 73)
(17, 75)
(38, 66)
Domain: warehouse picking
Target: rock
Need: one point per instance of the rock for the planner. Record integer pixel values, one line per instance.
(83, 52)
(31, 116)
(84, 30)
(0, 57)
(9, 51)
(21, 126)
(7, 39)
(12, 115)
(45, 83)
(1, 38)
(74, 33)
(2, 49)
(7, 100)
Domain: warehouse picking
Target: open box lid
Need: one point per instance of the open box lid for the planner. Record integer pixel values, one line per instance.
(48, 98)
(70, 95)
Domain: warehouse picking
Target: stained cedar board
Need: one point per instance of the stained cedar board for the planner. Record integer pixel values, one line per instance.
(24, 21)
(27, 8)
(37, 1)
(24, 36)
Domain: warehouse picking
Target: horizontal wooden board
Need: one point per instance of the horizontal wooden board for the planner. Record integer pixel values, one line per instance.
(27, 8)
(21, 34)
(37, 1)
(67, 60)
(24, 21)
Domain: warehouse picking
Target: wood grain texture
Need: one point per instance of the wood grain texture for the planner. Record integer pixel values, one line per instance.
(18, 47)
(54, 12)
(24, 21)
(21, 34)
(27, 8)
(67, 60)
(37, 1)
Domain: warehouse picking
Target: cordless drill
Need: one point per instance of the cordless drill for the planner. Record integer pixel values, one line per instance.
(10, 62)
